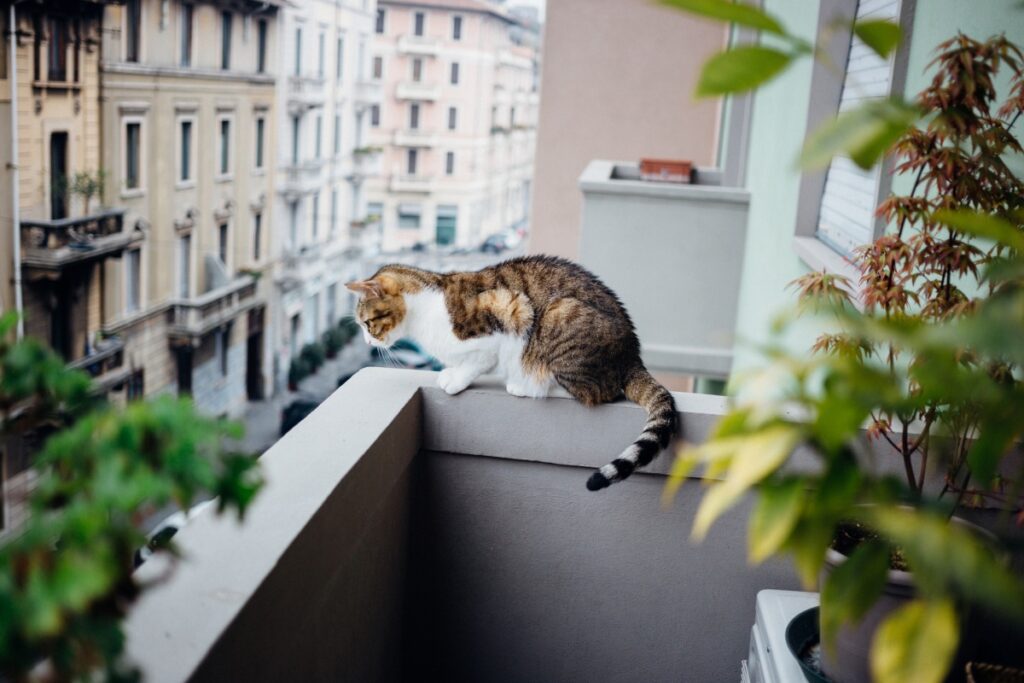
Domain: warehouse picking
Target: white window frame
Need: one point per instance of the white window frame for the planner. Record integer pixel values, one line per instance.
(126, 281)
(193, 167)
(258, 167)
(180, 36)
(128, 192)
(826, 91)
(230, 173)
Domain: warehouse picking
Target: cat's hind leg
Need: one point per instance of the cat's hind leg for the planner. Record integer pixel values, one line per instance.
(456, 378)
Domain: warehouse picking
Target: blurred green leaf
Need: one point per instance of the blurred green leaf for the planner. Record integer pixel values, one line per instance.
(853, 586)
(740, 69)
(733, 12)
(881, 35)
(864, 133)
(916, 643)
(983, 225)
(774, 517)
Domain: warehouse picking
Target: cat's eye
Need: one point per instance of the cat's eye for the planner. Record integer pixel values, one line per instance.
(376, 317)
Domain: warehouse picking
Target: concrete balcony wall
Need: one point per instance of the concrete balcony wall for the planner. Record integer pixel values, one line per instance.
(674, 254)
(411, 90)
(405, 534)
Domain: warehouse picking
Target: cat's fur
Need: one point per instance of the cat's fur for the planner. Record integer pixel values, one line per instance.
(533, 320)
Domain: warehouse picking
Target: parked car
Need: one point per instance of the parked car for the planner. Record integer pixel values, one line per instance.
(164, 531)
(499, 242)
(407, 354)
(295, 412)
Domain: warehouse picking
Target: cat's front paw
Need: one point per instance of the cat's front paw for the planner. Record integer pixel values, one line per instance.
(452, 381)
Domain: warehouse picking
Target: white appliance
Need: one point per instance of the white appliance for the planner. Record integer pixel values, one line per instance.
(769, 659)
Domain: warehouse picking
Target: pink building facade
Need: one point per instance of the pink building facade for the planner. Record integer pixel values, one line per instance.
(456, 126)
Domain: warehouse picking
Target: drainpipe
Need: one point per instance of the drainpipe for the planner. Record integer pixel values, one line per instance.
(15, 209)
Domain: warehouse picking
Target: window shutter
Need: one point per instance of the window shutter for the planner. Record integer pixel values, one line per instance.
(847, 217)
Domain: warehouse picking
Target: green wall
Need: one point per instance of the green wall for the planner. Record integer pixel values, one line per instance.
(777, 133)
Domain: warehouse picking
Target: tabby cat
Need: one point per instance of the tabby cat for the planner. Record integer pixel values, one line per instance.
(533, 320)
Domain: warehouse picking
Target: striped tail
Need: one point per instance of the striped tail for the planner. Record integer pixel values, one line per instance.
(644, 390)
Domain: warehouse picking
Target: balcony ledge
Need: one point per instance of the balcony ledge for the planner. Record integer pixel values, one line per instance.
(323, 579)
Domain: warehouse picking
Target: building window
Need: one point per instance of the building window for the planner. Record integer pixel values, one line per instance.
(225, 40)
(135, 387)
(445, 224)
(185, 155)
(339, 59)
(298, 51)
(133, 281)
(133, 30)
(293, 338)
(57, 52)
(321, 48)
(337, 134)
(257, 235)
(222, 243)
(187, 13)
(332, 304)
(454, 73)
(452, 117)
(334, 210)
(417, 23)
(374, 210)
(260, 131)
(295, 141)
(293, 225)
(361, 60)
(417, 70)
(449, 163)
(414, 116)
(224, 148)
(410, 161)
(132, 155)
(58, 174)
(223, 342)
(315, 223)
(261, 46)
(3, 76)
(511, 116)
(185, 266)
(409, 215)
(456, 28)
(378, 68)
(379, 27)
(375, 116)
(319, 136)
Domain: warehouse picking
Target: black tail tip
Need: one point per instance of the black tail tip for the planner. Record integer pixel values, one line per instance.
(597, 482)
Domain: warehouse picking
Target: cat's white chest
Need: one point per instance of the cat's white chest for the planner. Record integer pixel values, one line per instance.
(427, 321)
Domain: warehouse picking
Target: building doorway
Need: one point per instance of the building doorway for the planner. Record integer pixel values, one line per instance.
(254, 356)
(58, 175)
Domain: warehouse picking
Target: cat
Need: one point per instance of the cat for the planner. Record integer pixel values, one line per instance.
(533, 320)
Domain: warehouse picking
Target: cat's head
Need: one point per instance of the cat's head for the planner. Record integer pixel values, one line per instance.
(381, 309)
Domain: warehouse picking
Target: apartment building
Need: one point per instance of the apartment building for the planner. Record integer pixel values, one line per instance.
(457, 122)
(325, 95)
(188, 145)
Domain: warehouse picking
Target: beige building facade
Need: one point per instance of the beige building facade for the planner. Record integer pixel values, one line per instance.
(188, 132)
(602, 100)
(456, 126)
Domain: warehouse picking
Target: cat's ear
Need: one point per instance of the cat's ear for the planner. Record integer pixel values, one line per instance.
(371, 289)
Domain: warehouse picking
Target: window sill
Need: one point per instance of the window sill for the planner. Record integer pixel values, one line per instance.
(132, 193)
(185, 185)
(224, 178)
(56, 85)
(818, 256)
(259, 171)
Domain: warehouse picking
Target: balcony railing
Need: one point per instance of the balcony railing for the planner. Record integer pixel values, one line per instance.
(415, 137)
(53, 244)
(397, 536)
(190, 319)
(302, 178)
(368, 92)
(411, 183)
(104, 363)
(419, 45)
(414, 90)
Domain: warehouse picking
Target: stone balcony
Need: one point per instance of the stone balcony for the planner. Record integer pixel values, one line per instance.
(414, 137)
(190, 319)
(405, 534)
(51, 245)
(302, 178)
(417, 90)
(411, 183)
(367, 92)
(419, 45)
(304, 93)
(104, 363)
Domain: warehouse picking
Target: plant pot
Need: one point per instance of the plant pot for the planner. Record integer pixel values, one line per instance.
(847, 660)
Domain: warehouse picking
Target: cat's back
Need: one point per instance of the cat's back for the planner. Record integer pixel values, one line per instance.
(549, 278)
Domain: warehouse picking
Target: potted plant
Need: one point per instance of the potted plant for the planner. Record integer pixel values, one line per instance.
(929, 366)
(333, 341)
(87, 184)
(298, 370)
(66, 576)
(314, 355)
